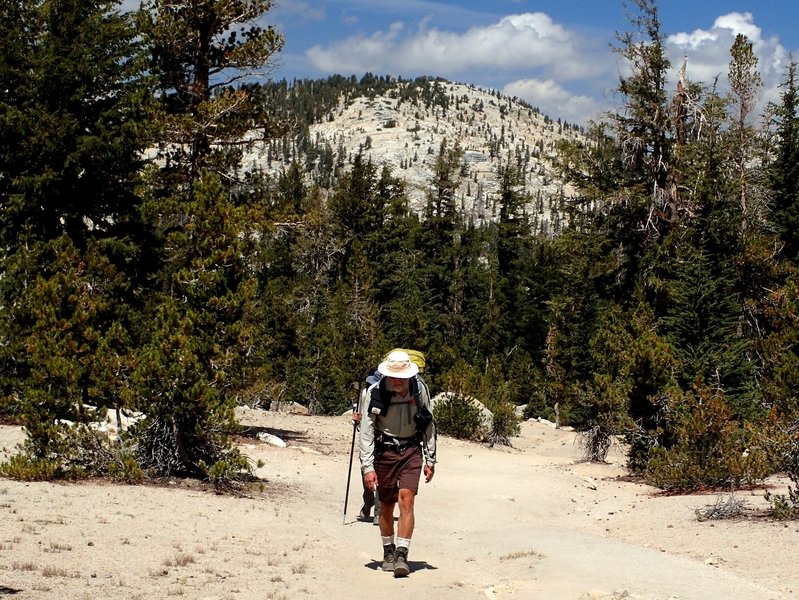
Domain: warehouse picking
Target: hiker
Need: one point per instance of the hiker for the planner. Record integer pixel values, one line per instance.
(368, 493)
(374, 376)
(397, 444)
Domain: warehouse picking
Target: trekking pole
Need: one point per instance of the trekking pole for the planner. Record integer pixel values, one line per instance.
(352, 451)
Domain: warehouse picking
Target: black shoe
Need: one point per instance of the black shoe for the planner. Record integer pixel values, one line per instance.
(401, 563)
(365, 512)
(389, 551)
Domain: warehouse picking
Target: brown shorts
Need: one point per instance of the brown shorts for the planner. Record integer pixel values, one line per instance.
(396, 471)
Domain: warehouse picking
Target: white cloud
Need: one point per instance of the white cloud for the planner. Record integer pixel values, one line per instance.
(562, 71)
(554, 100)
(515, 43)
(708, 52)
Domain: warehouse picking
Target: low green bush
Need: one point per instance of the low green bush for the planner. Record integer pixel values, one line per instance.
(458, 417)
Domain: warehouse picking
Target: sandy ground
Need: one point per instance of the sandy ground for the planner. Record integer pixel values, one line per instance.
(532, 521)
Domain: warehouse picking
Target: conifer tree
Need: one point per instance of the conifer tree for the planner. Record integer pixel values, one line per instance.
(73, 103)
(745, 84)
(200, 53)
(784, 169)
(440, 243)
(190, 372)
(205, 215)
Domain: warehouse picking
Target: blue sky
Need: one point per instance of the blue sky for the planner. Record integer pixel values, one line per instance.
(556, 55)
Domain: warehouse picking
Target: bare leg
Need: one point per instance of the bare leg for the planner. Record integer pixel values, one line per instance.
(407, 520)
(386, 518)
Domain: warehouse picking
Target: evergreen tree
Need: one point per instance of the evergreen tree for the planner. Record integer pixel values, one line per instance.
(77, 119)
(200, 53)
(190, 372)
(784, 169)
(202, 313)
(72, 111)
(440, 243)
(745, 84)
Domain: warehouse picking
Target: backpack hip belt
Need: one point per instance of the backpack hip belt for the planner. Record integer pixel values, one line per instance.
(387, 442)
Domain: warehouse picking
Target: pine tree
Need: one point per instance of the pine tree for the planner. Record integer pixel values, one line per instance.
(440, 243)
(72, 111)
(201, 53)
(745, 84)
(784, 169)
(205, 214)
(190, 372)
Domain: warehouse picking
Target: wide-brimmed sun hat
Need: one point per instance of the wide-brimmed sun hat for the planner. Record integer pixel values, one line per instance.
(398, 364)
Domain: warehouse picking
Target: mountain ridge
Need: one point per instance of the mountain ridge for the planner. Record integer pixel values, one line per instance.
(404, 125)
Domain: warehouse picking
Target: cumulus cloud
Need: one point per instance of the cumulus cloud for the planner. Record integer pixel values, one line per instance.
(553, 99)
(708, 52)
(564, 72)
(514, 43)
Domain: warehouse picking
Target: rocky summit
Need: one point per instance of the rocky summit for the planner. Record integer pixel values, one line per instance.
(404, 125)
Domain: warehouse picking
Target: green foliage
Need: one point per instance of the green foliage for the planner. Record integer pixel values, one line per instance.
(226, 474)
(125, 468)
(25, 467)
(710, 449)
(490, 388)
(75, 451)
(784, 507)
(665, 311)
(504, 423)
(784, 169)
(458, 417)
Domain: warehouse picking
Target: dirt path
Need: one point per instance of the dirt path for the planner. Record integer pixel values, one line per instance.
(527, 522)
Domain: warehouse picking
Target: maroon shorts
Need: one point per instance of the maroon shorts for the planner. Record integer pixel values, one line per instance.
(398, 471)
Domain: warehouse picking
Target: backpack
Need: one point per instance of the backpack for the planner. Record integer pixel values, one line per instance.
(380, 398)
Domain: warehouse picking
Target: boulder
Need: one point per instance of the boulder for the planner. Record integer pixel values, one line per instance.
(293, 408)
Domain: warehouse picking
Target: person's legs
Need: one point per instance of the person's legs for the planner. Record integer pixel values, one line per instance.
(398, 476)
(368, 502)
(387, 533)
(406, 516)
(404, 532)
(386, 518)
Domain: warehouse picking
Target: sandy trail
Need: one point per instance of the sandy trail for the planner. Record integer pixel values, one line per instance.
(528, 522)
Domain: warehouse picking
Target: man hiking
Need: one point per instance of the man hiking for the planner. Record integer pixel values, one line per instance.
(397, 443)
(368, 493)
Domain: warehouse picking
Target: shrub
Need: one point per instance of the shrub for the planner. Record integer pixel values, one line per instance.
(504, 425)
(125, 468)
(458, 417)
(25, 467)
(711, 449)
(779, 435)
(784, 507)
(595, 442)
(608, 402)
(228, 472)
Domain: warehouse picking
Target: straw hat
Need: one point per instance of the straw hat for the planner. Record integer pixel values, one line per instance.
(398, 364)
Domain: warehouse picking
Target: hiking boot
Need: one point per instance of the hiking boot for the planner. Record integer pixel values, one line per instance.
(401, 563)
(388, 557)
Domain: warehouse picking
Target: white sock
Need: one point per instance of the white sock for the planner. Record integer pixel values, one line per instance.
(387, 539)
(403, 543)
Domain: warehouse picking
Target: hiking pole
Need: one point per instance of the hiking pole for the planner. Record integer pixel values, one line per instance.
(352, 451)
